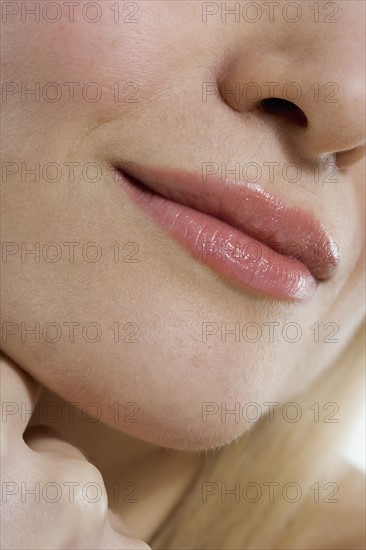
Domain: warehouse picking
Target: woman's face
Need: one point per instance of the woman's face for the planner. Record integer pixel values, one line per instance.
(120, 308)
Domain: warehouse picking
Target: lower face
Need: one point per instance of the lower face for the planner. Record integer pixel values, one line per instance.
(124, 315)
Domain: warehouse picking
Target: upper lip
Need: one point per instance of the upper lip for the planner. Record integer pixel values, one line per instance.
(289, 230)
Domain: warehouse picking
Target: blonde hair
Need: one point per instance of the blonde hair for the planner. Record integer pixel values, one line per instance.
(306, 453)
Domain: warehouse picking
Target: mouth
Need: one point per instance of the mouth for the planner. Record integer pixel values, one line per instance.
(248, 236)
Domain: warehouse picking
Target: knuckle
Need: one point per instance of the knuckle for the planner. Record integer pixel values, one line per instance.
(86, 471)
(86, 491)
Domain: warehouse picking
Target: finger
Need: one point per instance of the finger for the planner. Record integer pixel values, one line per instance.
(114, 540)
(44, 439)
(117, 535)
(116, 523)
(19, 395)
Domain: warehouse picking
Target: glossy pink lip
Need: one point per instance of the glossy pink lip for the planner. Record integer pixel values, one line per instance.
(247, 235)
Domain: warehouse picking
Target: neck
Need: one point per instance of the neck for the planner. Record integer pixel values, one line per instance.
(144, 482)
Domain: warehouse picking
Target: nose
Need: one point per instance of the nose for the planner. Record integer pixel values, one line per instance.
(307, 81)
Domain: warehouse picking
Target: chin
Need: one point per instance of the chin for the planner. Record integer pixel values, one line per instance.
(194, 437)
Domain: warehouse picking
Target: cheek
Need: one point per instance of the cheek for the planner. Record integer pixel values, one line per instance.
(99, 66)
(90, 72)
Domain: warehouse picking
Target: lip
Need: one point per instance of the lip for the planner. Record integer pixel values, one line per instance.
(245, 234)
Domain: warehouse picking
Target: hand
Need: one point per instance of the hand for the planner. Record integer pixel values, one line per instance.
(52, 497)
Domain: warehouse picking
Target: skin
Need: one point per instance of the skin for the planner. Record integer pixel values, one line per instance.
(168, 294)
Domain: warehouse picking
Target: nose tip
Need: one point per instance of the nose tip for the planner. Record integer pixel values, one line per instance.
(324, 119)
(308, 81)
(346, 159)
(337, 126)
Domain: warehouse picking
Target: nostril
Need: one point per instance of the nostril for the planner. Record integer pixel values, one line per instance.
(284, 109)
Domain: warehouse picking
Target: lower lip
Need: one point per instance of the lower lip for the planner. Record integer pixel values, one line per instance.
(231, 253)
